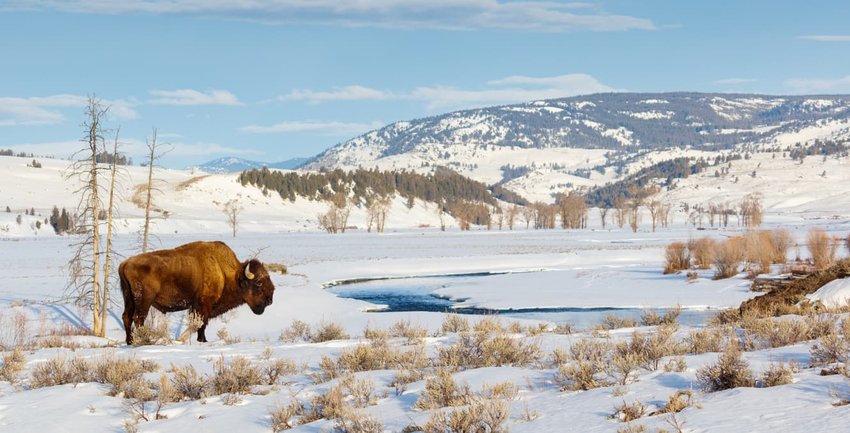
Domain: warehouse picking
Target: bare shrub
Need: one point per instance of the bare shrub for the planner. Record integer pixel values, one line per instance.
(565, 328)
(278, 368)
(780, 240)
(442, 391)
(613, 321)
(652, 318)
(821, 247)
(778, 374)
(679, 401)
(236, 377)
(125, 375)
(676, 364)
(658, 345)
(282, 416)
(486, 349)
(59, 371)
(488, 325)
(366, 357)
(362, 391)
(454, 322)
(770, 333)
(328, 405)
(625, 366)
(188, 384)
(298, 331)
(579, 376)
(375, 335)
(758, 252)
(405, 329)
(503, 390)
(628, 412)
(702, 252)
(727, 257)
(352, 421)
(230, 399)
(481, 415)
(224, 335)
(676, 258)
(329, 331)
(13, 364)
(154, 331)
(830, 349)
(704, 340)
(730, 371)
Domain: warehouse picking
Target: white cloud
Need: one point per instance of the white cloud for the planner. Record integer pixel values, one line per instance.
(735, 81)
(193, 97)
(547, 16)
(347, 93)
(816, 85)
(507, 90)
(48, 110)
(826, 38)
(313, 126)
(510, 90)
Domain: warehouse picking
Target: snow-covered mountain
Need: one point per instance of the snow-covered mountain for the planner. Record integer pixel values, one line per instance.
(230, 164)
(577, 140)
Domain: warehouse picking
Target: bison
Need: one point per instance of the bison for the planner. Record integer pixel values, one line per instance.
(203, 277)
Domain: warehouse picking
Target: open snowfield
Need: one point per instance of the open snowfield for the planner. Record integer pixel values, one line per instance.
(549, 268)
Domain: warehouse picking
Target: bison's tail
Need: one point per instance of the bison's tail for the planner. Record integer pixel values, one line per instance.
(129, 302)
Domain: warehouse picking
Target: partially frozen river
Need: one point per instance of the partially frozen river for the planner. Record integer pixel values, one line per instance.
(417, 294)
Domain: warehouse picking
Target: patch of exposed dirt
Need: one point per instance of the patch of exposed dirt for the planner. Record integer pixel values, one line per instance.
(786, 296)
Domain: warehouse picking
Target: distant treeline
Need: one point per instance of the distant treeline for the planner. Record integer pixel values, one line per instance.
(443, 186)
(639, 184)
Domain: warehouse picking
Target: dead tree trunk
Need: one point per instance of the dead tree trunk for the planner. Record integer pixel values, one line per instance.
(149, 190)
(108, 260)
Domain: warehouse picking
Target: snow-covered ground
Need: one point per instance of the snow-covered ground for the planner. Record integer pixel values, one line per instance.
(576, 268)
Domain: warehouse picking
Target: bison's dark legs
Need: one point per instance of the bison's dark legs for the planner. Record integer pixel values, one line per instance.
(205, 316)
(202, 337)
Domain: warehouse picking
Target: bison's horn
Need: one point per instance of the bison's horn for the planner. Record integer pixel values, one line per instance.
(248, 273)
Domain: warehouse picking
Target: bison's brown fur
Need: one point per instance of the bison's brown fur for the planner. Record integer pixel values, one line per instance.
(203, 277)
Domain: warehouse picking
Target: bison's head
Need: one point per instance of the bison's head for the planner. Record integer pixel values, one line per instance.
(257, 287)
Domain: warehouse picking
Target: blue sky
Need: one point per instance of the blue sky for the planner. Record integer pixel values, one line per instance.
(272, 80)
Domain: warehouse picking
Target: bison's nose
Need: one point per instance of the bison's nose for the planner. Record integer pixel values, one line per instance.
(258, 309)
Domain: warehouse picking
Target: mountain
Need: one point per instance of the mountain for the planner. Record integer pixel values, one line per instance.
(548, 146)
(230, 164)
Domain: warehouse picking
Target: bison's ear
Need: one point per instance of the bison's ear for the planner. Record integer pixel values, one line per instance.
(248, 274)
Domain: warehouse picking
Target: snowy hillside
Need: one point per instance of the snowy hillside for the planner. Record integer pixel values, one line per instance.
(582, 141)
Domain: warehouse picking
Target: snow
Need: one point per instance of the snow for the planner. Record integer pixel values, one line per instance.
(610, 267)
(650, 115)
(835, 294)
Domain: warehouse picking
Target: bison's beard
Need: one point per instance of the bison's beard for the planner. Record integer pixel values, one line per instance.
(258, 309)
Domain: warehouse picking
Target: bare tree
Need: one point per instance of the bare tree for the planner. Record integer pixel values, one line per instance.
(634, 214)
(84, 266)
(573, 211)
(603, 213)
(665, 214)
(335, 220)
(751, 210)
(377, 210)
(528, 214)
(109, 224)
(510, 217)
(620, 211)
(232, 209)
(655, 209)
(152, 157)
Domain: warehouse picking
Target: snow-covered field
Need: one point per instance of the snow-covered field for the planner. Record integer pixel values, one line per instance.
(577, 268)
